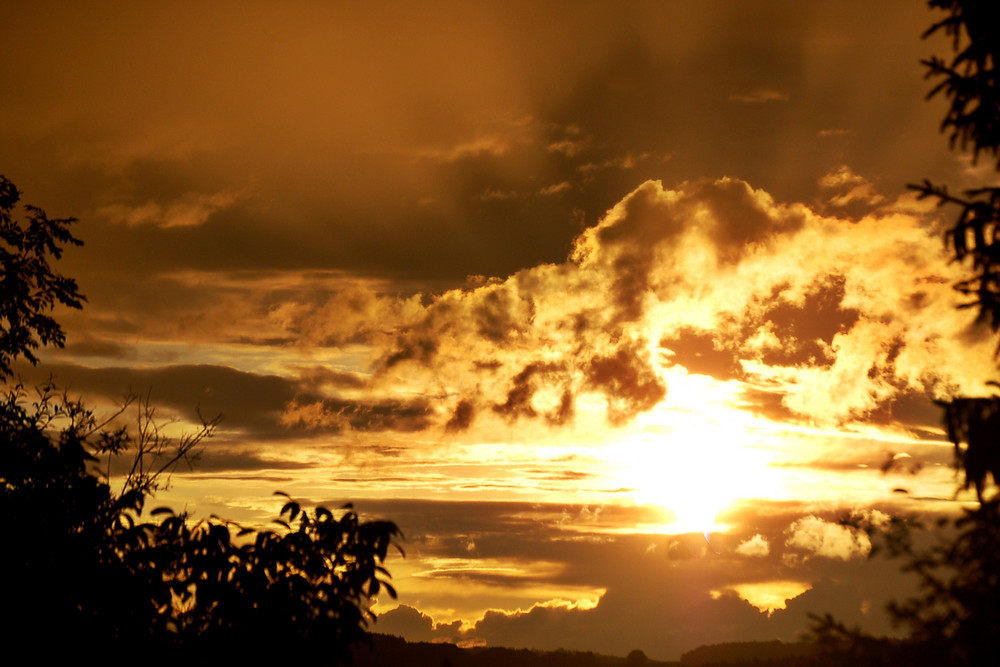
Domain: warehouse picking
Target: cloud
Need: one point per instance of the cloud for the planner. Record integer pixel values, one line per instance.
(254, 406)
(486, 145)
(824, 318)
(320, 377)
(667, 611)
(570, 147)
(628, 381)
(555, 188)
(818, 537)
(668, 599)
(756, 546)
(770, 595)
(406, 621)
(188, 210)
(820, 317)
(840, 177)
(843, 188)
(759, 95)
(335, 415)
(834, 132)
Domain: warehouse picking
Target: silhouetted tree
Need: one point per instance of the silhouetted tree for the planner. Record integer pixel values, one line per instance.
(29, 287)
(969, 80)
(82, 567)
(636, 658)
(957, 615)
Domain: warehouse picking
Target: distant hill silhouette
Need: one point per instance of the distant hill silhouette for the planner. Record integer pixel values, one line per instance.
(389, 650)
(759, 653)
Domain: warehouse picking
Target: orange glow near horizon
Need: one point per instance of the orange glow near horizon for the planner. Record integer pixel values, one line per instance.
(767, 596)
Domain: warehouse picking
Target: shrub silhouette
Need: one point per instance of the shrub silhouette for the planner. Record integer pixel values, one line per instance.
(85, 568)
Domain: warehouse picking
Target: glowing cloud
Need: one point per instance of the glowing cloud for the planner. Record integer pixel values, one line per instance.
(834, 317)
(770, 595)
(756, 546)
(830, 540)
(189, 210)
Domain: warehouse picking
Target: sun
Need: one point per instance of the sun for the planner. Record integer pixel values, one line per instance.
(690, 474)
(693, 458)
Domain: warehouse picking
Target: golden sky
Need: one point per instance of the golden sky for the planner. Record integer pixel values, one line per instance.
(615, 308)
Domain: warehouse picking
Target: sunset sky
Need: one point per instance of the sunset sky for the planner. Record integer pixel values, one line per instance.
(617, 309)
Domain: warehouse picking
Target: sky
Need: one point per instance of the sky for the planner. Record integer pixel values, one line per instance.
(618, 310)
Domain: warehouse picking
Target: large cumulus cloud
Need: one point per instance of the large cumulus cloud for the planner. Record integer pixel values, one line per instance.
(824, 318)
(835, 317)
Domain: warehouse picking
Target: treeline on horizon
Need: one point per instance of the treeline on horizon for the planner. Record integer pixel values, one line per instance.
(385, 650)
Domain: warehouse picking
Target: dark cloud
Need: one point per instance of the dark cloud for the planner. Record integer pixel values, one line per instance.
(806, 330)
(461, 418)
(631, 242)
(405, 621)
(525, 384)
(627, 379)
(421, 519)
(499, 316)
(419, 349)
(317, 377)
(741, 218)
(664, 610)
(91, 346)
(564, 475)
(914, 411)
(335, 415)
(236, 459)
(258, 407)
(767, 403)
(698, 353)
(247, 401)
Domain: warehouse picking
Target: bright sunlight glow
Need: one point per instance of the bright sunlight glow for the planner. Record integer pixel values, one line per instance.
(694, 455)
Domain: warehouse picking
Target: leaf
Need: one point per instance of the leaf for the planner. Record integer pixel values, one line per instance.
(390, 589)
(292, 508)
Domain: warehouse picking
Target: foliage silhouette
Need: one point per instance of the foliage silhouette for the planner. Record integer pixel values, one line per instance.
(957, 618)
(85, 567)
(969, 81)
(28, 286)
(972, 425)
